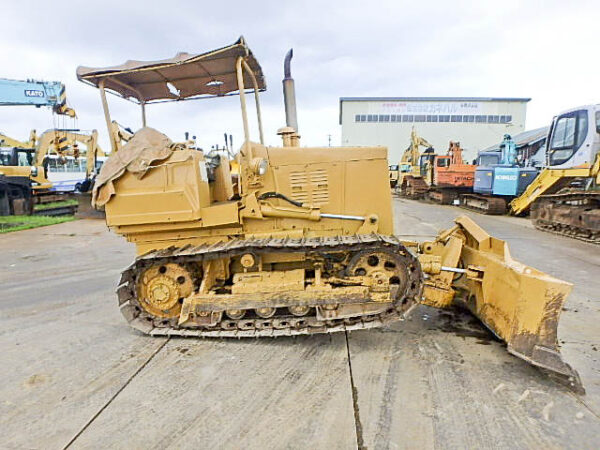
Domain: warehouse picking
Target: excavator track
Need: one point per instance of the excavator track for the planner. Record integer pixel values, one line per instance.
(441, 196)
(413, 187)
(282, 323)
(492, 206)
(571, 214)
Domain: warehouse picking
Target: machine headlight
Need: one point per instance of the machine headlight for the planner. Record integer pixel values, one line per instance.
(260, 166)
(34, 171)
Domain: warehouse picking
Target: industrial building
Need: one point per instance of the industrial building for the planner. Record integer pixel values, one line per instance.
(476, 122)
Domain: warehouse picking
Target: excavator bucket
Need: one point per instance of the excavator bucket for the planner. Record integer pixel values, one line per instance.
(518, 303)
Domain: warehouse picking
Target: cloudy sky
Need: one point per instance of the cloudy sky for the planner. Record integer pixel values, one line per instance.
(546, 50)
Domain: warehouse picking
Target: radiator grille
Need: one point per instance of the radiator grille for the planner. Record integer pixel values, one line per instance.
(310, 186)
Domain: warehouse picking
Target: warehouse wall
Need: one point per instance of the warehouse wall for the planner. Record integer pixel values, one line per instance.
(389, 123)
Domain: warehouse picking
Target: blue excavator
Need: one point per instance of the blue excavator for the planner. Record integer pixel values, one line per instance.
(498, 179)
(20, 175)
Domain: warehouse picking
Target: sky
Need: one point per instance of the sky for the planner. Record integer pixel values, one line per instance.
(546, 50)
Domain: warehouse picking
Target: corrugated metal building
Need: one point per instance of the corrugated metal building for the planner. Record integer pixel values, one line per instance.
(476, 122)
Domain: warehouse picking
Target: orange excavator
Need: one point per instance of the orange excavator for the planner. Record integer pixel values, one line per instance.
(448, 175)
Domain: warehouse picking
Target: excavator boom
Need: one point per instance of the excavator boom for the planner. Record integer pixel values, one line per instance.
(35, 93)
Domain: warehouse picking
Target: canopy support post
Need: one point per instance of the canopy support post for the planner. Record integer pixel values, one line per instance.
(256, 100)
(143, 105)
(241, 88)
(113, 144)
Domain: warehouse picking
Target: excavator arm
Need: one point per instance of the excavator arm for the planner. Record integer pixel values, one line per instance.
(7, 141)
(66, 143)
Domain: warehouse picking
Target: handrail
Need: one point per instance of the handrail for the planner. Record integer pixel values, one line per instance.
(240, 66)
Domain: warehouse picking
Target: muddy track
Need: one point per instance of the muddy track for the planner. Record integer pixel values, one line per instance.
(281, 324)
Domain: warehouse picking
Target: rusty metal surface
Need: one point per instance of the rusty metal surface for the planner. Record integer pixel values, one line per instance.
(412, 187)
(572, 214)
(441, 196)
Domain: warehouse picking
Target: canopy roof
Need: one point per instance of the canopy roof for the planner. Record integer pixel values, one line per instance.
(199, 75)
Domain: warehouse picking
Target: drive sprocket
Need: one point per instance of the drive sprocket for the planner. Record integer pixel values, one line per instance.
(162, 288)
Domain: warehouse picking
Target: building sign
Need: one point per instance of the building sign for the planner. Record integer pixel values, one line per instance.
(425, 108)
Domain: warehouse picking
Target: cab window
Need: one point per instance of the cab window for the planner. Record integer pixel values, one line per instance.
(24, 158)
(564, 133)
(568, 135)
(5, 158)
(443, 162)
(488, 160)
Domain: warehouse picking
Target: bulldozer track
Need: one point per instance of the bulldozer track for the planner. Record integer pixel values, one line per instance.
(572, 230)
(286, 325)
(492, 206)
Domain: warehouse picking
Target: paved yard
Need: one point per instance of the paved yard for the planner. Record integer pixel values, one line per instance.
(73, 373)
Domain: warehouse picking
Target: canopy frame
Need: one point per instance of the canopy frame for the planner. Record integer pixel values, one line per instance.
(101, 77)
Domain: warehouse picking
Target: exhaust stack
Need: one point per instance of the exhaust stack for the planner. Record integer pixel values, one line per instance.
(289, 93)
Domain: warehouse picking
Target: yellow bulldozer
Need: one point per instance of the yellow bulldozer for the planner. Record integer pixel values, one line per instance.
(297, 246)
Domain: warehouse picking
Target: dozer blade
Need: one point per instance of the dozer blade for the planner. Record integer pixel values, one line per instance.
(518, 303)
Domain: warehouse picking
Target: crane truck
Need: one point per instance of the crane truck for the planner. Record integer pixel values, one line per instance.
(21, 179)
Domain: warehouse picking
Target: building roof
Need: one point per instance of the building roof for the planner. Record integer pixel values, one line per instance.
(523, 139)
(431, 99)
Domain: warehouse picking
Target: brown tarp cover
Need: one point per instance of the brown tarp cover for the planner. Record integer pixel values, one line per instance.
(193, 75)
(145, 147)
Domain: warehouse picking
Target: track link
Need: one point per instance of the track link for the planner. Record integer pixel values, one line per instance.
(280, 325)
(571, 214)
(492, 206)
(441, 196)
(413, 187)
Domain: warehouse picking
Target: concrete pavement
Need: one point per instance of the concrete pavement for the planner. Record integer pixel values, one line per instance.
(75, 375)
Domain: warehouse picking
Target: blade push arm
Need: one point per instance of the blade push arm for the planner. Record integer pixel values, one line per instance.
(519, 304)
